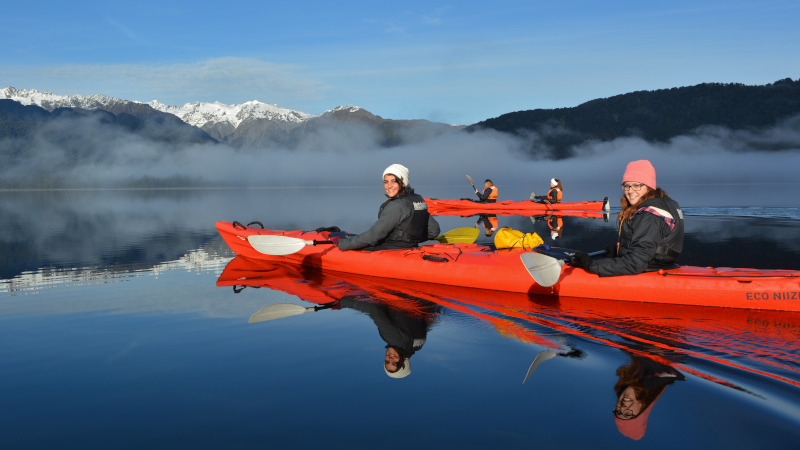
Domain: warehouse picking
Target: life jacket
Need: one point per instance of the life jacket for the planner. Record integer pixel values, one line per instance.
(414, 229)
(669, 246)
(493, 195)
(555, 223)
(493, 221)
(554, 195)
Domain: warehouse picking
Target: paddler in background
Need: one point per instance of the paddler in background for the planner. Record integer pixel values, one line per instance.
(404, 331)
(641, 383)
(554, 195)
(489, 222)
(489, 194)
(403, 219)
(650, 228)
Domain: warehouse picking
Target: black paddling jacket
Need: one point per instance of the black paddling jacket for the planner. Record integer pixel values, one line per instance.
(652, 239)
(403, 222)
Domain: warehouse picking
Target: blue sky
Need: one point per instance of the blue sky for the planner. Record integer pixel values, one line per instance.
(454, 62)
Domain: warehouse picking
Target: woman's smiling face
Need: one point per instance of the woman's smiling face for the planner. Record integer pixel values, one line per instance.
(634, 196)
(390, 185)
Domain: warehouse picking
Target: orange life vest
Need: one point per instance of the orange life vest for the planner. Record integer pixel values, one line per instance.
(557, 195)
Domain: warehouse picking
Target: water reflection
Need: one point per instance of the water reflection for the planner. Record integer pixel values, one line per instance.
(760, 343)
(402, 320)
(489, 222)
(641, 383)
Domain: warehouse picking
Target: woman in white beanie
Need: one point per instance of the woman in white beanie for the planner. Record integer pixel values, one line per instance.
(554, 195)
(403, 219)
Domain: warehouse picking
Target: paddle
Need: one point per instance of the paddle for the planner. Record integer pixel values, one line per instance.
(287, 245)
(549, 354)
(459, 235)
(545, 269)
(540, 358)
(281, 310)
(470, 182)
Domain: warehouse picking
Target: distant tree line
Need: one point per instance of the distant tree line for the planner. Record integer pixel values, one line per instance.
(652, 115)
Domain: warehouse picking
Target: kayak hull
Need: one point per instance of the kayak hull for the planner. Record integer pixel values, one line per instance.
(481, 267)
(508, 207)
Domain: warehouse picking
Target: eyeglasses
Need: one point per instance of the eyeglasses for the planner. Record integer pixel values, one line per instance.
(625, 403)
(632, 187)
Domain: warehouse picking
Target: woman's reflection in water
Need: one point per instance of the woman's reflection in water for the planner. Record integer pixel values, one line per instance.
(404, 330)
(639, 387)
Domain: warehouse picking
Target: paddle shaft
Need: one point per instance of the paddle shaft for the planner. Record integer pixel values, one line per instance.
(286, 245)
(567, 258)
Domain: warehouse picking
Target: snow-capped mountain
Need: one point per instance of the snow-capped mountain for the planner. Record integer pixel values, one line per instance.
(196, 114)
(248, 125)
(200, 114)
(50, 101)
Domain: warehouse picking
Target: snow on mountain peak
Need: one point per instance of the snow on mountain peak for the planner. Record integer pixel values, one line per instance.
(348, 108)
(197, 114)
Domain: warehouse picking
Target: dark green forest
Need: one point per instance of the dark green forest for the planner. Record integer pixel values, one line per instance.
(652, 115)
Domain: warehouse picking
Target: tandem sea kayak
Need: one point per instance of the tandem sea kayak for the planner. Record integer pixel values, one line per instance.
(508, 207)
(483, 267)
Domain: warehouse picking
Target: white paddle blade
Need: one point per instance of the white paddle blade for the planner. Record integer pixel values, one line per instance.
(277, 311)
(540, 358)
(544, 269)
(276, 245)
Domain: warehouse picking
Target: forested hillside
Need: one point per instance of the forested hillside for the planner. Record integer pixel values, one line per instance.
(653, 115)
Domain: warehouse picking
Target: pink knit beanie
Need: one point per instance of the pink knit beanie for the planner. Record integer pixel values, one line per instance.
(640, 171)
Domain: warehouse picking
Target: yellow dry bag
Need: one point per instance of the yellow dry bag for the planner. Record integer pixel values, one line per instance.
(508, 238)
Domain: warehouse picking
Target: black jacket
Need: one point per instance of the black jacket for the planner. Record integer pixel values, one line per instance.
(403, 222)
(652, 239)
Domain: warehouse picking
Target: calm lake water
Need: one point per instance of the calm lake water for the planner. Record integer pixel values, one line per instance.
(124, 323)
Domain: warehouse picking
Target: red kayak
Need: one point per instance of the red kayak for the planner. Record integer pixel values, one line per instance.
(509, 207)
(514, 269)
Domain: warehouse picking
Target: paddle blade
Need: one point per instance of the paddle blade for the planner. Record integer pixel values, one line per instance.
(540, 358)
(544, 269)
(459, 235)
(470, 181)
(278, 311)
(276, 245)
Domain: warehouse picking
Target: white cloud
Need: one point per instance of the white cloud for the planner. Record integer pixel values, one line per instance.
(228, 80)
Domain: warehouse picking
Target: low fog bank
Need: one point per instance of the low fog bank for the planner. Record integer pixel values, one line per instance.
(711, 155)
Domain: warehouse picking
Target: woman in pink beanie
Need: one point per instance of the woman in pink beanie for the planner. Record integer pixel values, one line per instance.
(641, 383)
(650, 228)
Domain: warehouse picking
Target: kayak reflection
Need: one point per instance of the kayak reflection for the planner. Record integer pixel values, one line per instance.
(735, 342)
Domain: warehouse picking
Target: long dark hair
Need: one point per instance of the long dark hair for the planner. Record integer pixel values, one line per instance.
(630, 375)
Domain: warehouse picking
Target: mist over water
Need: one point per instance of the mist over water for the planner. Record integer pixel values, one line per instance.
(352, 156)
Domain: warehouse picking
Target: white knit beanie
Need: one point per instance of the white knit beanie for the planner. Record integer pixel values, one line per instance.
(399, 171)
